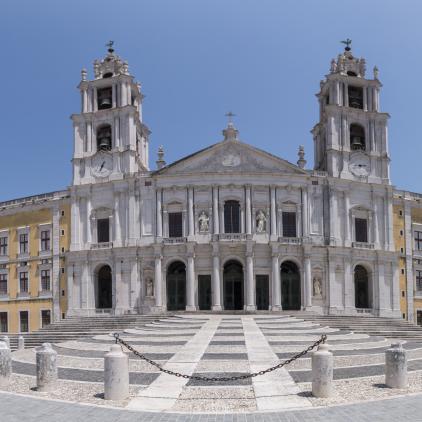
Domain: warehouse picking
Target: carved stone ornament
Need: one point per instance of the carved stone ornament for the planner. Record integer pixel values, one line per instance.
(261, 222)
(204, 222)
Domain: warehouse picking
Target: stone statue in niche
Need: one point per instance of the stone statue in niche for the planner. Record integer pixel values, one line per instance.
(317, 286)
(204, 222)
(149, 287)
(261, 222)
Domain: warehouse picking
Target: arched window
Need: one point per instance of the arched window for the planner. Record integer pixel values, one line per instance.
(357, 137)
(231, 217)
(104, 96)
(104, 138)
(355, 96)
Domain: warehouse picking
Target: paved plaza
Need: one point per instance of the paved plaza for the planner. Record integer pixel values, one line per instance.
(220, 346)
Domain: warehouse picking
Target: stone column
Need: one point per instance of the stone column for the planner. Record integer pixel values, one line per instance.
(248, 210)
(116, 374)
(215, 210)
(305, 213)
(348, 237)
(396, 367)
(21, 343)
(158, 283)
(333, 215)
(349, 287)
(94, 100)
(322, 372)
(365, 99)
(275, 281)
(376, 239)
(5, 364)
(250, 285)
(69, 290)
(216, 289)
(113, 96)
(191, 222)
(159, 229)
(308, 282)
(190, 287)
(117, 227)
(46, 359)
(273, 213)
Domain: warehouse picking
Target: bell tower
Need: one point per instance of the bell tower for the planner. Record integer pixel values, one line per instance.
(110, 140)
(350, 139)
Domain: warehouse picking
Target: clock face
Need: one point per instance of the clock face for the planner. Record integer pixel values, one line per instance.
(102, 165)
(359, 165)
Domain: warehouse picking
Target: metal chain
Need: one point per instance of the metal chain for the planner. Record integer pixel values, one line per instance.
(225, 379)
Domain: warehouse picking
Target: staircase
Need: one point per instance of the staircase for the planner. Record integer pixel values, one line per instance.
(374, 326)
(73, 328)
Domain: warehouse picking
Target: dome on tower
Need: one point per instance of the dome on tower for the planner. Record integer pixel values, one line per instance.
(347, 64)
(111, 65)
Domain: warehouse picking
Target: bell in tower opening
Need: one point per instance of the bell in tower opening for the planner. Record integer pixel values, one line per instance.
(104, 138)
(104, 98)
(355, 97)
(357, 138)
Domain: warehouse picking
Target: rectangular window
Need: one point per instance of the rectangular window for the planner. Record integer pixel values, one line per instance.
(419, 317)
(361, 230)
(418, 280)
(418, 241)
(45, 318)
(24, 321)
(45, 240)
(23, 282)
(45, 280)
(3, 322)
(289, 224)
(3, 246)
(175, 224)
(23, 243)
(231, 217)
(103, 230)
(3, 284)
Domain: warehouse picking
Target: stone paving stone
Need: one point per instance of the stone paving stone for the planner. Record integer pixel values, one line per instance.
(218, 375)
(225, 356)
(74, 374)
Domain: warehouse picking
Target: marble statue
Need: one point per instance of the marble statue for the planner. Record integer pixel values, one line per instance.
(261, 221)
(204, 221)
(317, 286)
(149, 287)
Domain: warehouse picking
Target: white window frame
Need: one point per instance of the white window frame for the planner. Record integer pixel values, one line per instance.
(24, 270)
(8, 283)
(366, 215)
(5, 233)
(19, 231)
(41, 228)
(289, 207)
(41, 311)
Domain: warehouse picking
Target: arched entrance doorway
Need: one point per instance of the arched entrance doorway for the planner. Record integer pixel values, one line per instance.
(290, 286)
(176, 286)
(104, 299)
(233, 286)
(362, 291)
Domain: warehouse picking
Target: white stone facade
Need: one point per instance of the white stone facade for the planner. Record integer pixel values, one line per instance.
(170, 239)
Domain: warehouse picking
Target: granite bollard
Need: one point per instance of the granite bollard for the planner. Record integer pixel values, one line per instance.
(116, 374)
(5, 364)
(21, 343)
(322, 372)
(46, 358)
(6, 339)
(396, 366)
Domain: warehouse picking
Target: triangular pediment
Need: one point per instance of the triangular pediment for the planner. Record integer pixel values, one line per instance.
(231, 156)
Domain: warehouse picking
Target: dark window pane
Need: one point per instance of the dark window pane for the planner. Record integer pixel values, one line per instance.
(3, 322)
(231, 217)
(418, 240)
(24, 326)
(3, 284)
(418, 280)
(45, 318)
(361, 228)
(355, 97)
(289, 224)
(103, 230)
(175, 224)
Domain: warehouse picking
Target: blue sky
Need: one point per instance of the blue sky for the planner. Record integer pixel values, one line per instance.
(196, 60)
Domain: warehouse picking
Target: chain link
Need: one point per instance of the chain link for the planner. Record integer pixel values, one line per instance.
(224, 379)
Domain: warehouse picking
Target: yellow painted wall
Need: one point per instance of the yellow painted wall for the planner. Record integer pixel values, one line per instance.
(399, 241)
(417, 218)
(34, 303)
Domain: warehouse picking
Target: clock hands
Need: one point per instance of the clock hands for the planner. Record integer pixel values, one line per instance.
(102, 165)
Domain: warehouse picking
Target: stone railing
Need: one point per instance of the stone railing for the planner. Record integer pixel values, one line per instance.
(232, 236)
(318, 173)
(102, 245)
(290, 240)
(174, 240)
(363, 310)
(363, 245)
